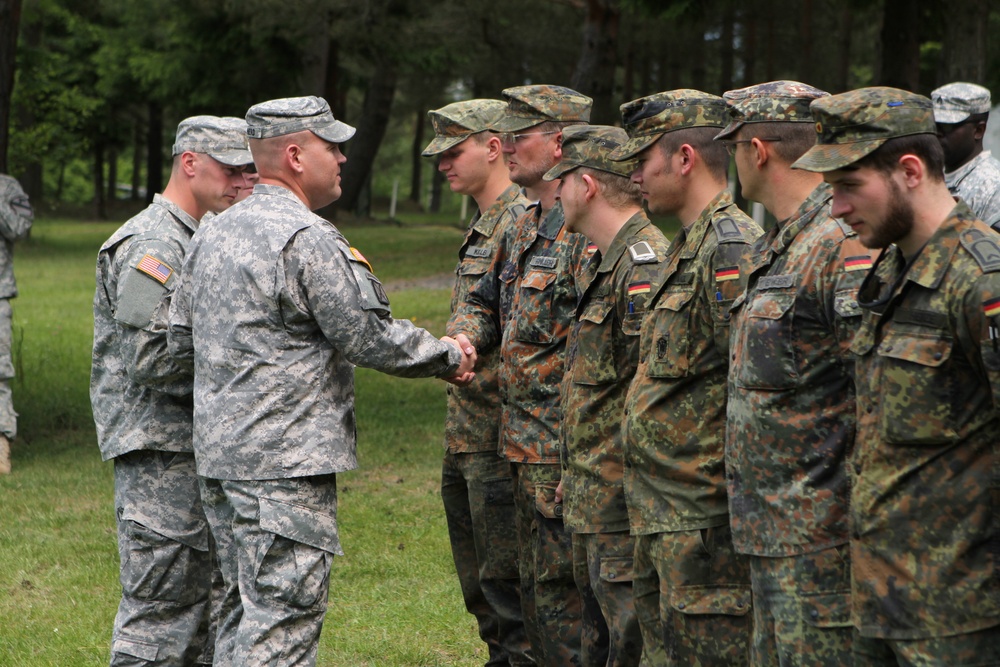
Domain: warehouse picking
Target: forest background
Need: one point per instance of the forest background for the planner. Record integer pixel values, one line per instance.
(91, 91)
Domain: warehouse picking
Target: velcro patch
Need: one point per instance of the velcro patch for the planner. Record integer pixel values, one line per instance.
(154, 268)
(858, 263)
(727, 273)
(361, 258)
(991, 307)
(641, 287)
(545, 262)
(776, 282)
(642, 253)
(477, 251)
(591, 248)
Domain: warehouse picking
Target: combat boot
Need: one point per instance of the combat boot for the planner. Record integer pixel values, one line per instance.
(4, 455)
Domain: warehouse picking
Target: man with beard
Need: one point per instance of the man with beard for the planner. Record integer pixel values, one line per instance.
(791, 393)
(924, 485)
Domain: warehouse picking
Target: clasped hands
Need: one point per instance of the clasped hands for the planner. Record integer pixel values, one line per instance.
(464, 374)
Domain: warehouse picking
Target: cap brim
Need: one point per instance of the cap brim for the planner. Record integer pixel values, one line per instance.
(234, 158)
(441, 144)
(830, 157)
(515, 123)
(730, 130)
(633, 147)
(336, 132)
(558, 171)
(950, 116)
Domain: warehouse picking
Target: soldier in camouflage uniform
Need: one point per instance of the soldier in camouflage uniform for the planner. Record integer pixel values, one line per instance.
(601, 203)
(142, 404)
(475, 479)
(791, 419)
(525, 302)
(961, 111)
(273, 311)
(16, 217)
(692, 592)
(924, 485)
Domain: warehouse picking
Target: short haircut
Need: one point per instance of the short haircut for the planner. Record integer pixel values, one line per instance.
(885, 158)
(702, 139)
(482, 137)
(619, 191)
(793, 139)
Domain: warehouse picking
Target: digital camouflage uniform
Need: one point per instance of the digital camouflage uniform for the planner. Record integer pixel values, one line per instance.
(924, 483)
(603, 350)
(141, 402)
(791, 421)
(476, 483)
(977, 182)
(16, 217)
(525, 302)
(274, 309)
(692, 592)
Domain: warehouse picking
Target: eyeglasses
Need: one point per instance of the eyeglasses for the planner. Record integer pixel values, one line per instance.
(511, 138)
(731, 143)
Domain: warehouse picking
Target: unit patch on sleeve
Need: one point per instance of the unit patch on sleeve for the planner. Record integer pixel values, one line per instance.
(642, 253)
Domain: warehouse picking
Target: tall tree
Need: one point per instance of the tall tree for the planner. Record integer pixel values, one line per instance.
(10, 21)
(965, 34)
(595, 69)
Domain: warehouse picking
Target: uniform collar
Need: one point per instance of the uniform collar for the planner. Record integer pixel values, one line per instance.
(176, 211)
(486, 222)
(621, 242)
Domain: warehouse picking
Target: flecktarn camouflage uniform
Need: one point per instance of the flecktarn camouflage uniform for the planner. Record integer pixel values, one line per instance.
(274, 309)
(141, 401)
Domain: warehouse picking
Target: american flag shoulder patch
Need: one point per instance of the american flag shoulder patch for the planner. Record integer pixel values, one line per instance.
(361, 258)
(154, 268)
(727, 273)
(858, 263)
(640, 287)
(991, 307)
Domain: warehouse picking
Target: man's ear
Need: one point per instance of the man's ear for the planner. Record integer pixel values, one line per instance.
(494, 148)
(591, 187)
(188, 160)
(762, 153)
(913, 170)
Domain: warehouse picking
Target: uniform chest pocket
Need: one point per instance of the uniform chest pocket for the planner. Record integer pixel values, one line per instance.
(768, 358)
(472, 266)
(469, 272)
(533, 323)
(670, 326)
(917, 388)
(595, 356)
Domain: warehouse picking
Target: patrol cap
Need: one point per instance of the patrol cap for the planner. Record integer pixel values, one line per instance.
(223, 139)
(851, 125)
(955, 102)
(591, 146)
(772, 102)
(528, 106)
(296, 114)
(456, 122)
(648, 118)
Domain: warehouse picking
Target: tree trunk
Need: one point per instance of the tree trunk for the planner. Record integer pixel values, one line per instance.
(727, 52)
(10, 20)
(436, 187)
(112, 174)
(844, 61)
(901, 44)
(371, 129)
(805, 65)
(750, 47)
(417, 158)
(154, 151)
(964, 56)
(137, 145)
(100, 207)
(595, 70)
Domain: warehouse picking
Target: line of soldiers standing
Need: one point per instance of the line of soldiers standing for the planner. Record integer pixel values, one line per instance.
(735, 447)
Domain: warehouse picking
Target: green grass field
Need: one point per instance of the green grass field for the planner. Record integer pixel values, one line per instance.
(394, 598)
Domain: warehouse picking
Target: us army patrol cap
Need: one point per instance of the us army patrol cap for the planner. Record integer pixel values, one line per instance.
(456, 122)
(222, 139)
(528, 106)
(296, 114)
(648, 118)
(955, 102)
(851, 125)
(591, 146)
(772, 102)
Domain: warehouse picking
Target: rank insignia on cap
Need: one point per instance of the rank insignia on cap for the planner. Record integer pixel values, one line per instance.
(991, 307)
(727, 273)
(641, 287)
(154, 268)
(859, 263)
(361, 258)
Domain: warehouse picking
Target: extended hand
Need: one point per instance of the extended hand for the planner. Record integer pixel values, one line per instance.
(464, 374)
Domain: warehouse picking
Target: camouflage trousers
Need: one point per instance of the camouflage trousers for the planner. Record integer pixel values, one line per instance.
(276, 541)
(166, 563)
(692, 596)
(550, 601)
(478, 499)
(602, 567)
(974, 649)
(8, 418)
(802, 609)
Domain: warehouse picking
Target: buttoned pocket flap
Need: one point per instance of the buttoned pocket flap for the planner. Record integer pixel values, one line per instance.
(728, 601)
(301, 524)
(674, 301)
(473, 266)
(596, 312)
(771, 306)
(616, 570)
(827, 610)
(538, 280)
(927, 350)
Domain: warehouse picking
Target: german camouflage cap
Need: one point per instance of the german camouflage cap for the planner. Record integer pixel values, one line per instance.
(773, 102)
(296, 114)
(456, 122)
(528, 106)
(591, 146)
(957, 101)
(648, 118)
(222, 139)
(851, 125)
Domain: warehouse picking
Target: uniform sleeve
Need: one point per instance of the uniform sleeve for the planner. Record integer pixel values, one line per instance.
(982, 315)
(478, 316)
(179, 339)
(16, 214)
(725, 281)
(350, 307)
